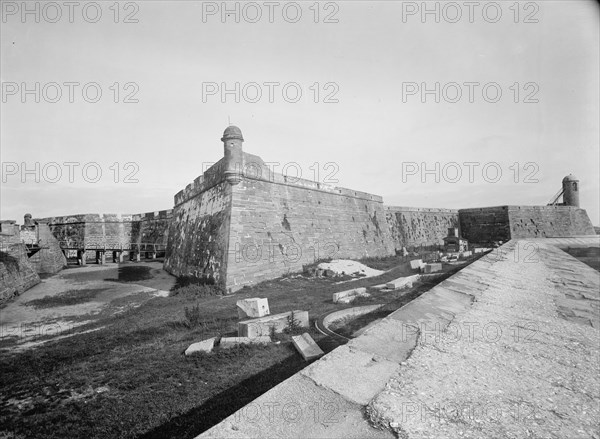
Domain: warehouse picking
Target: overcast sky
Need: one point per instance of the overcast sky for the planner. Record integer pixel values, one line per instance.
(364, 63)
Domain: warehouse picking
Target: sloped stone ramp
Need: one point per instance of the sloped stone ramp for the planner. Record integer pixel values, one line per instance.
(507, 347)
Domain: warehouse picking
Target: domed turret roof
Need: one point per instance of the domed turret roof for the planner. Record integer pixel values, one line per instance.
(570, 177)
(232, 132)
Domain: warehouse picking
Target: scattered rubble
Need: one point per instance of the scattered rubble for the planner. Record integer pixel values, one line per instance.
(349, 267)
(349, 295)
(306, 346)
(277, 322)
(201, 346)
(253, 307)
(403, 282)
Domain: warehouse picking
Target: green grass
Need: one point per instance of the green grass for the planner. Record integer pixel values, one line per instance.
(71, 297)
(196, 290)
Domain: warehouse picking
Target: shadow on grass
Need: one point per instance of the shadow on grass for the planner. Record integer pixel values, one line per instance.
(71, 297)
(217, 408)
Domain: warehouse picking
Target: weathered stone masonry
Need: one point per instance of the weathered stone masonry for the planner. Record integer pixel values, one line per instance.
(199, 231)
(415, 226)
(502, 223)
(240, 224)
(17, 274)
(280, 224)
(122, 233)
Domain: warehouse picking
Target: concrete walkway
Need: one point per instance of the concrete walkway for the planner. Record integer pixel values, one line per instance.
(506, 348)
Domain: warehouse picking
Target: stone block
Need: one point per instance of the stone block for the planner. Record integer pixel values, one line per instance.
(253, 307)
(337, 297)
(467, 254)
(351, 299)
(306, 346)
(415, 264)
(201, 346)
(230, 342)
(262, 326)
(403, 282)
(432, 268)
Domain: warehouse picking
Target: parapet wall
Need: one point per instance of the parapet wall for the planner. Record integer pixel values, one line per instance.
(416, 226)
(502, 223)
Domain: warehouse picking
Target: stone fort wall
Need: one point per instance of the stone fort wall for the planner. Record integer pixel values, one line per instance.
(417, 226)
(110, 231)
(266, 225)
(280, 224)
(503, 223)
(239, 224)
(17, 274)
(199, 232)
(50, 258)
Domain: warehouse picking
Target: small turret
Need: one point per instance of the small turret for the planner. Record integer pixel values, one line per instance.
(232, 143)
(570, 190)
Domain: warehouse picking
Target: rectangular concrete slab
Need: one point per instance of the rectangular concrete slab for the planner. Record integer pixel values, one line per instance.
(402, 282)
(432, 268)
(306, 346)
(296, 408)
(357, 376)
(389, 339)
(416, 264)
(279, 322)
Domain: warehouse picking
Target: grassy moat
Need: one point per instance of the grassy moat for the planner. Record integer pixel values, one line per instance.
(127, 375)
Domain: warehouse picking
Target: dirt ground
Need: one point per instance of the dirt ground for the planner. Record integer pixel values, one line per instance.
(106, 290)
